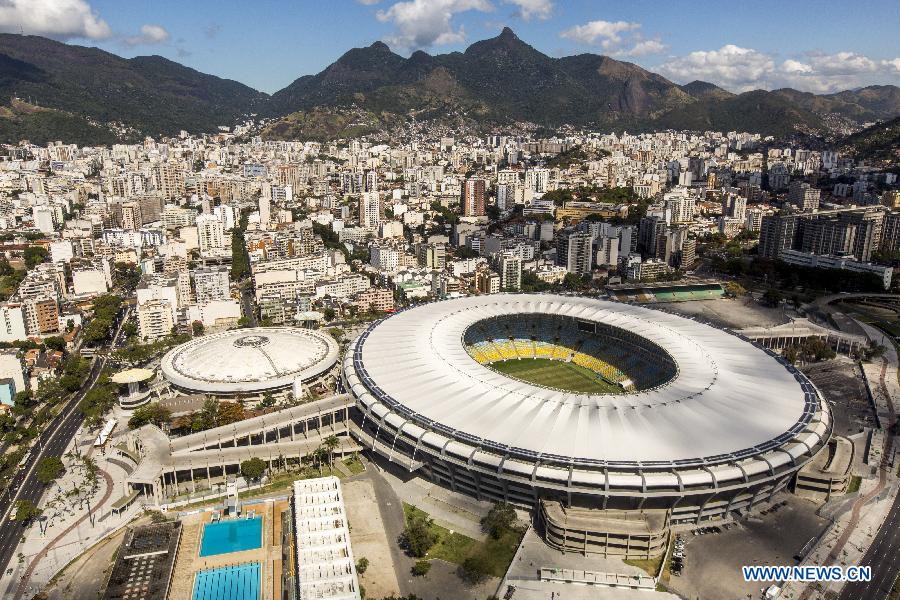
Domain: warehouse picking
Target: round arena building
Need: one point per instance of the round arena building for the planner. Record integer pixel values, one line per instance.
(583, 408)
(250, 361)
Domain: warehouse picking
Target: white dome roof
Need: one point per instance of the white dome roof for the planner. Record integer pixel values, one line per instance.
(250, 360)
(728, 397)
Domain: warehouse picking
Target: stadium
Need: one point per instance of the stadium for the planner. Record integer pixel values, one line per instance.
(244, 362)
(615, 421)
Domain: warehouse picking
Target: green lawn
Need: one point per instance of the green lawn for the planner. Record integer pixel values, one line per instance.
(354, 465)
(455, 547)
(555, 374)
(855, 480)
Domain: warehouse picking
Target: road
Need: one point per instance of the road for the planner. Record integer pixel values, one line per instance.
(248, 304)
(884, 558)
(52, 442)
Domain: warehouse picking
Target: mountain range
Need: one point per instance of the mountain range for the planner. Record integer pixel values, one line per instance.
(75, 93)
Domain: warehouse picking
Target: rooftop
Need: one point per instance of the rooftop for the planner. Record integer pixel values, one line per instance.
(415, 364)
(249, 360)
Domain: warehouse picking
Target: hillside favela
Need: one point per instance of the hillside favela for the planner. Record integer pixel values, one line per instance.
(449, 300)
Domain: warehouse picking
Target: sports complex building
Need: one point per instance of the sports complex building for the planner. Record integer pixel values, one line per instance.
(613, 420)
(247, 362)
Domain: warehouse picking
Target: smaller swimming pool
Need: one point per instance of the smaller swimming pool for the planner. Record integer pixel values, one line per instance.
(231, 535)
(237, 582)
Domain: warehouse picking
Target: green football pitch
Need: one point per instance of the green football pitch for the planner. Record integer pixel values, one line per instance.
(555, 374)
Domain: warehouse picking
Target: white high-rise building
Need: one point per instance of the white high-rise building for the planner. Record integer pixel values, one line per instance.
(61, 251)
(510, 272)
(12, 322)
(155, 319)
(211, 284)
(369, 210)
(210, 233)
(163, 286)
(608, 251)
(265, 211)
(680, 204)
(384, 258)
(537, 180)
(43, 218)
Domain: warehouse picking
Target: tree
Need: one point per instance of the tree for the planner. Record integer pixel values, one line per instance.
(26, 511)
(474, 569)
(197, 328)
(149, 413)
(205, 418)
(70, 383)
(318, 455)
(35, 255)
(55, 342)
(421, 568)
(772, 298)
(735, 289)
(49, 469)
(790, 353)
(330, 444)
(418, 536)
(127, 276)
(253, 468)
(328, 313)
(268, 401)
(499, 520)
(229, 412)
(361, 565)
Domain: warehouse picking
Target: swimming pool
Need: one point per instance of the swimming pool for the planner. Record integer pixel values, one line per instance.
(237, 582)
(231, 535)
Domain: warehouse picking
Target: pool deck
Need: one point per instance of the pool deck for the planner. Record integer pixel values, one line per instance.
(189, 561)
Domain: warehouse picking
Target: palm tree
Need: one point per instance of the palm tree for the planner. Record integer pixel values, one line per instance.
(331, 443)
(318, 455)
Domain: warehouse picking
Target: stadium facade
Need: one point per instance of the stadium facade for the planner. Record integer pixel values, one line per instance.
(698, 424)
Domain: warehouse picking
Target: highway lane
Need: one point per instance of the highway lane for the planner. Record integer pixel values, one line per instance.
(52, 442)
(884, 558)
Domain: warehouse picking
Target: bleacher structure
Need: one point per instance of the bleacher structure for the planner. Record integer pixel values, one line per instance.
(629, 362)
(324, 558)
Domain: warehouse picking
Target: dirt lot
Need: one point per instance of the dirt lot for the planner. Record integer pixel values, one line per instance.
(738, 313)
(369, 539)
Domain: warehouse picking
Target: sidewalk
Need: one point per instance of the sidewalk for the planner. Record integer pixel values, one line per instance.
(69, 530)
(849, 537)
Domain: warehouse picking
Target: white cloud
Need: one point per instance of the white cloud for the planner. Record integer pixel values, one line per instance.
(743, 69)
(150, 34)
(425, 23)
(795, 66)
(60, 19)
(607, 33)
(540, 9)
(646, 47)
(730, 66)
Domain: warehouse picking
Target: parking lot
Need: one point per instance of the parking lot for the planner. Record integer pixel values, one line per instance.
(841, 382)
(713, 561)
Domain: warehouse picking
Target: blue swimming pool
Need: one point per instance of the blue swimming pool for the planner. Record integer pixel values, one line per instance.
(237, 582)
(232, 535)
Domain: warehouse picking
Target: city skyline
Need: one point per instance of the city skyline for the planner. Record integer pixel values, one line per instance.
(773, 46)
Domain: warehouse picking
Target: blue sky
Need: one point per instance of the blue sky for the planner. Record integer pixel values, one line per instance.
(814, 46)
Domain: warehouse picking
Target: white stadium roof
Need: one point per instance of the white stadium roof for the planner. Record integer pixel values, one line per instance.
(728, 398)
(249, 360)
